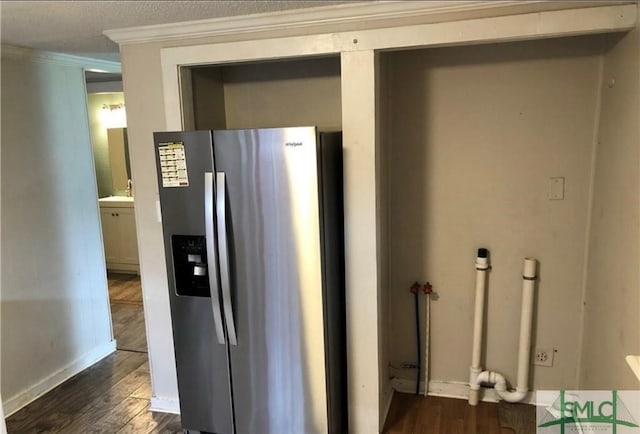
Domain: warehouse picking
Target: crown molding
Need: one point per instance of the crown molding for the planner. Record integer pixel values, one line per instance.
(306, 19)
(59, 58)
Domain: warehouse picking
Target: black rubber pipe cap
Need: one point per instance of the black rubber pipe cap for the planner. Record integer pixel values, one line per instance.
(483, 253)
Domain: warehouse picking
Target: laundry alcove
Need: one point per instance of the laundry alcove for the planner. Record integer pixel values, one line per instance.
(475, 137)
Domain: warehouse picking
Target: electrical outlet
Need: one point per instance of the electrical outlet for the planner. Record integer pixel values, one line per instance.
(543, 357)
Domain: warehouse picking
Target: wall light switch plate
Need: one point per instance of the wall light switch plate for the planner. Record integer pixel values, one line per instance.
(555, 190)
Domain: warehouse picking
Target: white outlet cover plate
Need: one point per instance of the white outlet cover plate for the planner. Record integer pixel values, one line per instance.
(549, 360)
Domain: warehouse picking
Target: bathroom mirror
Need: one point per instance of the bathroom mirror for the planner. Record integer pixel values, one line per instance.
(119, 160)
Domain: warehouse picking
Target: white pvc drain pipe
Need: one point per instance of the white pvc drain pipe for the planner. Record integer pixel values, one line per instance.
(482, 266)
(476, 375)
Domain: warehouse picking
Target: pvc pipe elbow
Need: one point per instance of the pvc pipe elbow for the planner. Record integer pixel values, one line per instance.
(498, 381)
(484, 377)
(500, 386)
(513, 396)
(475, 378)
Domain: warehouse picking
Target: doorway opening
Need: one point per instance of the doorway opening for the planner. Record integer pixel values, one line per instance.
(108, 129)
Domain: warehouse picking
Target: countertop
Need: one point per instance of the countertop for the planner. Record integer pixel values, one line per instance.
(116, 201)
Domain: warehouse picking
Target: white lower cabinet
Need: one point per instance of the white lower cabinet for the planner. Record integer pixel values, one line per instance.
(119, 238)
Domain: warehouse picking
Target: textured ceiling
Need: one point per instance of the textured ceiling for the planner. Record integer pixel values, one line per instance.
(75, 27)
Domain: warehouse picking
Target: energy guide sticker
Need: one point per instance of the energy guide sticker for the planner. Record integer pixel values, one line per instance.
(173, 165)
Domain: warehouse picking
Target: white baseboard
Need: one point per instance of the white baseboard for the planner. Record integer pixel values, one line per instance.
(35, 391)
(165, 405)
(123, 268)
(451, 389)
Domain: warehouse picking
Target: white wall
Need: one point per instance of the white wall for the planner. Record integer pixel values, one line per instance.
(55, 310)
(476, 132)
(270, 94)
(612, 302)
(293, 93)
(142, 79)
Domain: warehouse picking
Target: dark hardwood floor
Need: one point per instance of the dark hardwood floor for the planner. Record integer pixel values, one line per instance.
(128, 327)
(112, 396)
(127, 316)
(434, 415)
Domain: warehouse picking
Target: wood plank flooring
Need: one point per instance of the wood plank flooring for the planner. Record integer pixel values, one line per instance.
(112, 396)
(127, 315)
(124, 288)
(412, 414)
(128, 327)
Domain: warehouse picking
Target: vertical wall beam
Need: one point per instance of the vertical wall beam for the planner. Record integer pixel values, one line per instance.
(362, 285)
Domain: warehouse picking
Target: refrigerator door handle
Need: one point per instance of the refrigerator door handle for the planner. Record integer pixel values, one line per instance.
(211, 256)
(223, 252)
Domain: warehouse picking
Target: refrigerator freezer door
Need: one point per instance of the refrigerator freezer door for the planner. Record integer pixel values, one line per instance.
(273, 229)
(202, 363)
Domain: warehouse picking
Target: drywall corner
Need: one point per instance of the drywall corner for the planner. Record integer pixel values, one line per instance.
(612, 299)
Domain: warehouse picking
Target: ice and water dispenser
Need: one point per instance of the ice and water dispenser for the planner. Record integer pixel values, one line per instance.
(190, 265)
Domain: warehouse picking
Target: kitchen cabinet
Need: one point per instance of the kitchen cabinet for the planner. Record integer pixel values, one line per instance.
(119, 236)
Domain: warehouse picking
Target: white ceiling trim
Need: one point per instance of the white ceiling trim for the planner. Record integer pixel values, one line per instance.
(60, 58)
(549, 24)
(350, 13)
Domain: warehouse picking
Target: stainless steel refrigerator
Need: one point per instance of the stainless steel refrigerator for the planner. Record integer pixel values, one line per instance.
(253, 235)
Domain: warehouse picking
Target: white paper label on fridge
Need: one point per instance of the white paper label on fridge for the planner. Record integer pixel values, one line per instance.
(173, 165)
